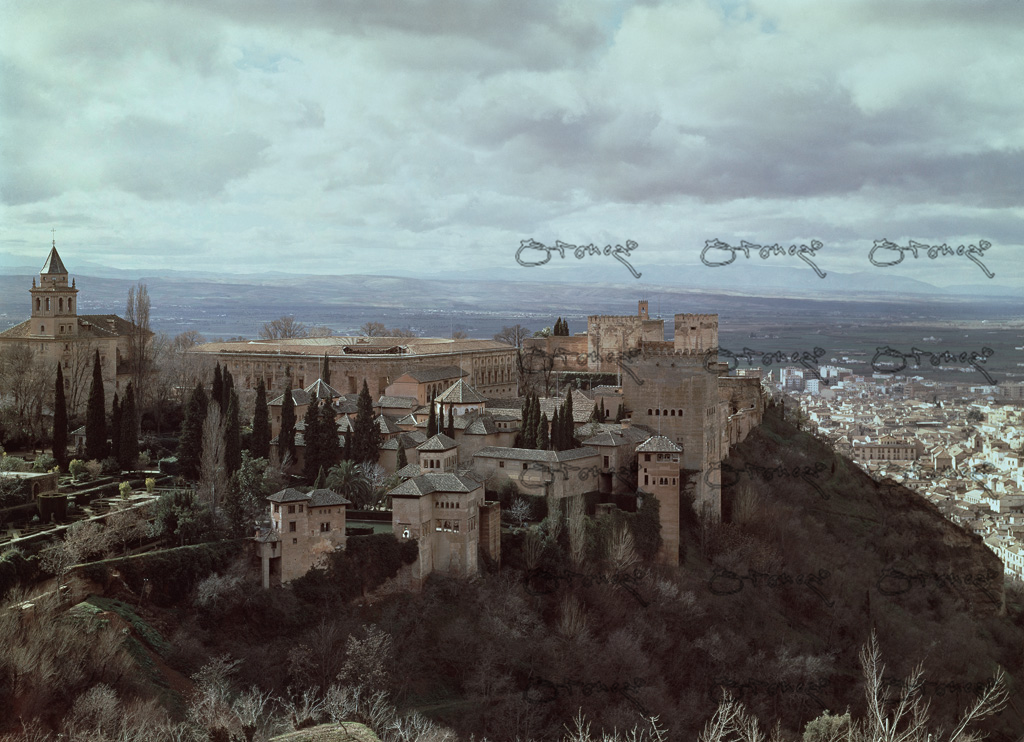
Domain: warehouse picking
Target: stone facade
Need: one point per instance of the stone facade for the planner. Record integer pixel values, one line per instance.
(304, 529)
(659, 476)
(489, 365)
(443, 512)
(56, 333)
(555, 474)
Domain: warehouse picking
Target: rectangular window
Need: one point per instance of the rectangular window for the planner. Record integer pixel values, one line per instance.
(291, 509)
(647, 457)
(524, 466)
(325, 527)
(606, 462)
(501, 464)
(291, 526)
(438, 525)
(295, 541)
(300, 508)
(277, 508)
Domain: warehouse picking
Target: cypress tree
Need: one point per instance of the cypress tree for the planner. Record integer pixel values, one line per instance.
(96, 415)
(451, 422)
(431, 423)
(115, 430)
(217, 393)
(595, 414)
(60, 422)
(542, 433)
(129, 452)
(313, 436)
(261, 424)
(403, 460)
(329, 431)
(229, 386)
(286, 439)
(233, 437)
(568, 424)
(190, 444)
(529, 426)
(604, 413)
(366, 446)
(554, 438)
(346, 450)
(325, 372)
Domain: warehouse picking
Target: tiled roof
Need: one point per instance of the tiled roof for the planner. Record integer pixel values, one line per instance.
(410, 439)
(324, 497)
(460, 393)
(436, 373)
(530, 454)
(320, 390)
(404, 403)
(387, 424)
(426, 484)
(439, 442)
(409, 471)
(658, 444)
(483, 425)
(288, 495)
(53, 264)
(299, 397)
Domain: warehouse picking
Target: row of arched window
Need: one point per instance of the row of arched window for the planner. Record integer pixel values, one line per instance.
(662, 412)
(60, 304)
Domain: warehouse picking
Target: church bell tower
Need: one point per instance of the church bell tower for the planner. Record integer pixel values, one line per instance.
(54, 310)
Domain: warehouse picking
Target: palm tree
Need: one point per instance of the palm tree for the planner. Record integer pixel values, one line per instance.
(348, 480)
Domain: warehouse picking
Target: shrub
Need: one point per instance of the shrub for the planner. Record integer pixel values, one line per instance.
(150, 485)
(77, 468)
(144, 460)
(13, 463)
(110, 466)
(827, 728)
(95, 469)
(125, 489)
(44, 462)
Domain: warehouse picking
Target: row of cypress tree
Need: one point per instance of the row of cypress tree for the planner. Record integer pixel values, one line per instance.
(123, 430)
(433, 427)
(540, 433)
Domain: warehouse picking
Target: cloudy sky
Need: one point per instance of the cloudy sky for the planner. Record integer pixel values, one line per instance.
(336, 136)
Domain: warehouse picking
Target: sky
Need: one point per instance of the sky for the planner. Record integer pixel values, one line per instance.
(434, 136)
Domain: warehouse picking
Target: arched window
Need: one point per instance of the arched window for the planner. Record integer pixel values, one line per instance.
(672, 413)
(657, 412)
(60, 303)
(70, 309)
(650, 411)
(47, 304)
(39, 304)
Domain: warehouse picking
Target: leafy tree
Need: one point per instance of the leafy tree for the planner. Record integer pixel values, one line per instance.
(96, 415)
(348, 480)
(365, 563)
(283, 327)
(542, 433)
(115, 429)
(261, 424)
(128, 453)
(366, 445)
(60, 422)
(232, 437)
(190, 444)
(182, 517)
(431, 422)
(513, 335)
(246, 502)
(286, 438)
(646, 527)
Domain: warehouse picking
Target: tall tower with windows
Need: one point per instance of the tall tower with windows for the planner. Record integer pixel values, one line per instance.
(658, 464)
(54, 310)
